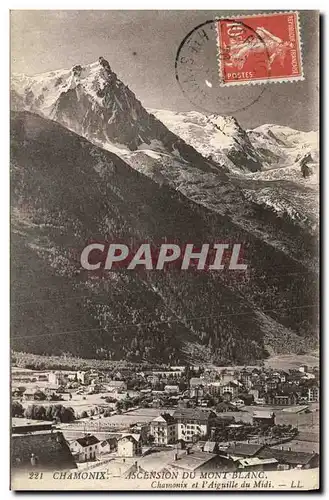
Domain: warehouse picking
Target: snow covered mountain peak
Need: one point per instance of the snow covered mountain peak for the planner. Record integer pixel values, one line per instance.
(288, 137)
(220, 138)
(227, 124)
(87, 87)
(91, 77)
(93, 102)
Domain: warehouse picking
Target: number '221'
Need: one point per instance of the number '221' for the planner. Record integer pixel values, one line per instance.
(35, 475)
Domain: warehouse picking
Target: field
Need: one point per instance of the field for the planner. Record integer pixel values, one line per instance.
(292, 361)
(77, 402)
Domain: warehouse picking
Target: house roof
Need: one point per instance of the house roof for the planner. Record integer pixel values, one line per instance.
(164, 417)
(250, 462)
(30, 391)
(193, 414)
(223, 418)
(210, 446)
(17, 422)
(87, 441)
(263, 414)
(134, 437)
(193, 460)
(231, 384)
(287, 456)
(245, 449)
(110, 439)
(50, 449)
(197, 381)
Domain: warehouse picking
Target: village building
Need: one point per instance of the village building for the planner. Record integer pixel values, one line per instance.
(85, 449)
(110, 444)
(259, 386)
(40, 450)
(29, 394)
(129, 445)
(56, 378)
(295, 376)
(192, 422)
(246, 378)
(197, 392)
(197, 387)
(289, 459)
(255, 463)
(230, 390)
(92, 375)
(82, 377)
(254, 393)
(245, 450)
(263, 418)
(313, 394)
(246, 456)
(163, 429)
(168, 374)
(152, 379)
(214, 388)
(282, 399)
(271, 384)
(141, 428)
(195, 461)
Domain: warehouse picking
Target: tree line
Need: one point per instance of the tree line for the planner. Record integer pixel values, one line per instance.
(58, 413)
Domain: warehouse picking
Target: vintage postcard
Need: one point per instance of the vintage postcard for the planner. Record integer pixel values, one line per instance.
(164, 250)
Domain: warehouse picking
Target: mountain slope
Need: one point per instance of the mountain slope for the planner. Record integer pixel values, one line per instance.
(65, 192)
(94, 103)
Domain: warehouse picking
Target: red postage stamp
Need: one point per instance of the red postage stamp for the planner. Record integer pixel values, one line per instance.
(259, 48)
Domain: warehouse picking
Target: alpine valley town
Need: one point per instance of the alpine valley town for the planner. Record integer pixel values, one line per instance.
(132, 420)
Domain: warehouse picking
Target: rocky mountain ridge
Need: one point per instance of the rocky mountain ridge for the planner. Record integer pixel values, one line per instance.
(197, 156)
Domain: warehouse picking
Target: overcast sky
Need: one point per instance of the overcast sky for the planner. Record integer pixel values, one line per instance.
(141, 48)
